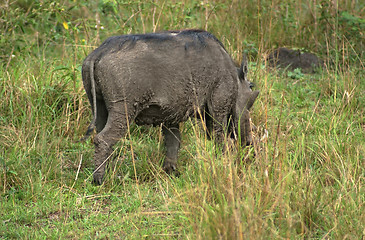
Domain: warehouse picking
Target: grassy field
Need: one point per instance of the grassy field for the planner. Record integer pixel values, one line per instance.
(307, 180)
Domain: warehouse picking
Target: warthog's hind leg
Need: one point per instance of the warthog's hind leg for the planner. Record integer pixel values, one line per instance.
(104, 141)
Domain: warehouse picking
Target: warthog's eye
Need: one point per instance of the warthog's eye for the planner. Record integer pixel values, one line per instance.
(251, 84)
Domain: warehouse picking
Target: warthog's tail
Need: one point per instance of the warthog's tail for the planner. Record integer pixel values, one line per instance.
(92, 125)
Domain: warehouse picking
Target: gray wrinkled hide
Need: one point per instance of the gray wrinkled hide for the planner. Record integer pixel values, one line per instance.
(164, 78)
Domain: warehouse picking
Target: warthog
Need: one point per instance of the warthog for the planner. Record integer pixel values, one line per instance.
(292, 59)
(164, 78)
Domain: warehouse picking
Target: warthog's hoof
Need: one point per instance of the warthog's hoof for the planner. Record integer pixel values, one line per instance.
(98, 179)
(170, 168)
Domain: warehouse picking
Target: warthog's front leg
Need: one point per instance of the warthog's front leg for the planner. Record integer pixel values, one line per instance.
(172, 145)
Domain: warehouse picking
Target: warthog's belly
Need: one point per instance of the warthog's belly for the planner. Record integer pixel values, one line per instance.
(155, 115)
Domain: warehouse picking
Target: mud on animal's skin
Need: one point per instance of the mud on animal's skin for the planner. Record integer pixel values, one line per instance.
(154, 79)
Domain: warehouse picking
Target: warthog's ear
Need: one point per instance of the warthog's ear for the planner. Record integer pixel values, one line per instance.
(242, 72)
(252, 99)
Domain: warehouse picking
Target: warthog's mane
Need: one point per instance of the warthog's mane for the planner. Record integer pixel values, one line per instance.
(198, 39)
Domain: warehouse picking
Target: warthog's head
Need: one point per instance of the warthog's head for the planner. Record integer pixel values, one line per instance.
(245, 99)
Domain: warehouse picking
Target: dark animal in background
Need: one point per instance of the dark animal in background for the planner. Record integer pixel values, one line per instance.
(164, 78)
(292, 59)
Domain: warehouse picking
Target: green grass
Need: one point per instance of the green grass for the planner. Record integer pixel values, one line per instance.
(307, 178)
